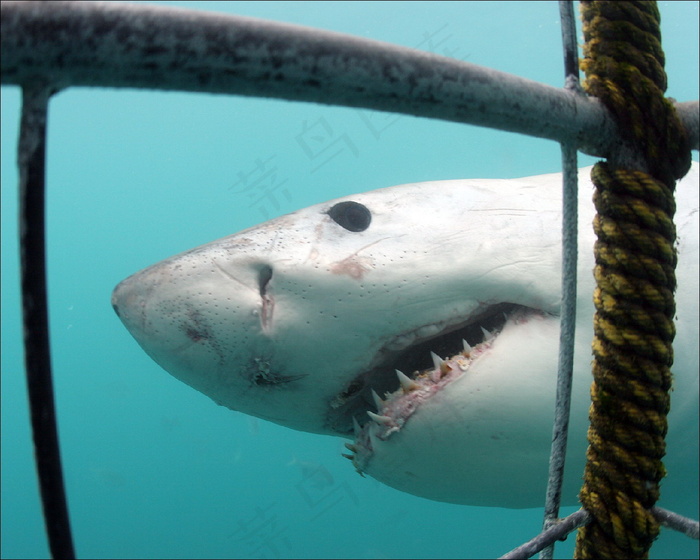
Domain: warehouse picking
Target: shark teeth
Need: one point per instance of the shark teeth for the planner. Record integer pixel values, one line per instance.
(399, 404)
(428, 365)
(378, 401)
(488, 335)
(407, 384)
(441, 366)
(437, 360)
(356, 428)
(378, 418)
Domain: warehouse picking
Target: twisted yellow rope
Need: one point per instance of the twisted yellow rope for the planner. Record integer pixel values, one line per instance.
(635, 276)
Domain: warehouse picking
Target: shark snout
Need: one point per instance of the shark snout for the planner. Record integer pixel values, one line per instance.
(129, 301)
(196, 299)
(119, 295)
(115, 300)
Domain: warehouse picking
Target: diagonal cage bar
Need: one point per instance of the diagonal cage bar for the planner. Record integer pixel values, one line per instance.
(67, 44)
(562, 527)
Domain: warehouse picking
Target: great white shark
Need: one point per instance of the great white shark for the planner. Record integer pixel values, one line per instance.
(420, 321)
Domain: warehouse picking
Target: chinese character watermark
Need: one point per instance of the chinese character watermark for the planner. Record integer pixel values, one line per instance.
(321, 144)
(320, 491)
(264, 534)
(262, 186)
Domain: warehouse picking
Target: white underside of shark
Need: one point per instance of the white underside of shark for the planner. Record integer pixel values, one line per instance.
(304, 320)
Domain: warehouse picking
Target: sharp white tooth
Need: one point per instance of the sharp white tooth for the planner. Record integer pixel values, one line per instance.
(465, 345)
(487, 335)
(350, 447)
(379, 419)
(437, 360)
(445, 368)
(356, 427)
(407, 384)
(378, 402)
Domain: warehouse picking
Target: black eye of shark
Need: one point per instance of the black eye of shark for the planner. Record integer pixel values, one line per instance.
(351, 215)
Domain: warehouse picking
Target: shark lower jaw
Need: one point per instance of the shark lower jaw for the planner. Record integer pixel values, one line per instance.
(421, 361)
(449, 433)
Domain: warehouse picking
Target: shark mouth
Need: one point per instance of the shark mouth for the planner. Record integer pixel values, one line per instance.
(396, 370)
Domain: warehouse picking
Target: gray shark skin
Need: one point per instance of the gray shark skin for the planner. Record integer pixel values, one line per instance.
(304, 320)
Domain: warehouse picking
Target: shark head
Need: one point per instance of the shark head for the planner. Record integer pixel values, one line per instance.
(297, 320)
(305, 320)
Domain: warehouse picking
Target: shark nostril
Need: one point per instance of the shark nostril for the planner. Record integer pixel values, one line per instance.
(268, 302)
(264, 277)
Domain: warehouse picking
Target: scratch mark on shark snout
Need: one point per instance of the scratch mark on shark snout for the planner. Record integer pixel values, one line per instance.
(354, 265)
(199, 333)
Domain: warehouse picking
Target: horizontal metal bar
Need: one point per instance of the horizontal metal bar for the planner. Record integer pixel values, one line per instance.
(108, 44)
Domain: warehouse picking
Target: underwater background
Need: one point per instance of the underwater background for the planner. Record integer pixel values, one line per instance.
(152, 467)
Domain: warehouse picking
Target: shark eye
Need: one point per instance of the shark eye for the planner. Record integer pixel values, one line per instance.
(353, 216)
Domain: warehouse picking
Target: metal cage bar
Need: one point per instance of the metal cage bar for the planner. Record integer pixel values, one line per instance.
(141, 46)
(567, 332)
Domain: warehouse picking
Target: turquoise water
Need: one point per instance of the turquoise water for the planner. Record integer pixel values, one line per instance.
(155, 469)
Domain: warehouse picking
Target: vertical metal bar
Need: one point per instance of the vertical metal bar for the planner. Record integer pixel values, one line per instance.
(32, 170)
(568, 305)
(568, 37)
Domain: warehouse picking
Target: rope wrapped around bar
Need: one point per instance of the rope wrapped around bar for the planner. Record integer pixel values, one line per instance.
(635, 274)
